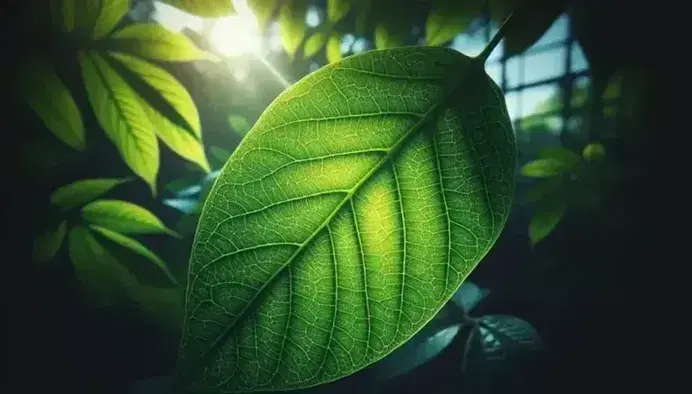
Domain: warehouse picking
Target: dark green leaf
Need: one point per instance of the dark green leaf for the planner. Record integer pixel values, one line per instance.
(565, 156)
(543, 168)
(447, 18)
(546, 216)
(388, 36)
(110, 13)
(136, 247)
(165, 304)
(239, 124)
(544, 188)
(531, 19)
(337, 9)
(386, 166)
(594, 152)
(48, 97)
(186, 142)
(82, 191)
(334, 49)
(204, 8)
(155, 42)
(124, 217)
(292, 25)
(119, 111)
(315, 43)
(48, 243)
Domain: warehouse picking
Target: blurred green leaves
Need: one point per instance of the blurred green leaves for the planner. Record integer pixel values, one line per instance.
(292, 25)
(82, 191)
(204, 8)
(447, 18)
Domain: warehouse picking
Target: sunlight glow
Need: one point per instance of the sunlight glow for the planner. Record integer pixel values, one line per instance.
(236, 35)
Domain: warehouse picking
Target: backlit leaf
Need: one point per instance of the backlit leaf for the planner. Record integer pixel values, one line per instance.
(48, 97)
(546, 216)
(155, 42)
(119, 112)
(334, 49)
(263, 11)
(186, 142)
(239, 124)
(134, 246)
(337, 9)
(204, 8)
(82, 191)
(447, 18)
(387, 37)
(314, 44)
(47, 244)
(292, 25)
(99, 272)
(110, 13)
(352, 211)
(124, 217)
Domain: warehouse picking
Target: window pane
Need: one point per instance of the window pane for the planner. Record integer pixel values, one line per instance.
(494, 70)
(470, 45)
(544, 65)
(513, 72)
(558, 32)
(512, 100)
(579, 62)
(540, 99)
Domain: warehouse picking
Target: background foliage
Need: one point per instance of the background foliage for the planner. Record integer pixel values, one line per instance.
(126, 122)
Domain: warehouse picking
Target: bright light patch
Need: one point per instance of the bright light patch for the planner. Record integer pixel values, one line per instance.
(236, 35)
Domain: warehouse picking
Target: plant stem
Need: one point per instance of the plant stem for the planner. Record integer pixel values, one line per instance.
(495, 40)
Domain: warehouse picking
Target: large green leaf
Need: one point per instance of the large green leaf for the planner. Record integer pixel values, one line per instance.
(110, 13)
(205, 8)
(121, 115)
(46, 94)
(447, 18)
(185, 141)
(136, 247)
(82, 191)
(124, 217)
(155, 42)
(352, 211)
(292, 25)
(47, 244)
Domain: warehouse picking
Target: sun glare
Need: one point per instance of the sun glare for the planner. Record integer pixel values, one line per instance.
(238, 34)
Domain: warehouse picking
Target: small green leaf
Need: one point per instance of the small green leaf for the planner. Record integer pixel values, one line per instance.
(546, 216)
(337, 9)
(82, 191)
(48, 97)
(110, 13)
(314, 44)
(263, 11)
(447, 18)
(544, 188)
(124, 217)
(204, 8)
(136, 247)
(239, 124)
(47, 244)
(99, 272)
(386, 36)
(594, 152)
(66, 9)
(543, 168)
(155, 42)
(469, 296)
(186, 142)
(529, 22)
(292, 25)
(334, 49)
(119, 112)
(569, 159)
(220, 155)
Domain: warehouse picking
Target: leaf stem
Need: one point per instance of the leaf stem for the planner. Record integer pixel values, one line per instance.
(495, 40)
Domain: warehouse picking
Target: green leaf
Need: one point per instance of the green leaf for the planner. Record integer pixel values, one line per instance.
(594, 152)
(48, 97)
(185, 141)
(99, 272)
(165, 304)
(220, 155)
(547, 215)
(447, 18)
(136, 247)
(543, 168)
(47, 244)
(83, 191)
(67, 13)
(263, 11)
(124, 217)
(204, 8)
(544, 188)
(110, 13)
(239, 124)
(404, 158)
(155, 42)
(469, 296)
(565, 156)
(292, 25)
(386, 36)
(119, 112)
(531, 19)
(337, 9)
(314, 44)
(334, 49)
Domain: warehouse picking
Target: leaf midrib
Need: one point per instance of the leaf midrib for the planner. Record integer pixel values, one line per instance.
(390, 155)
